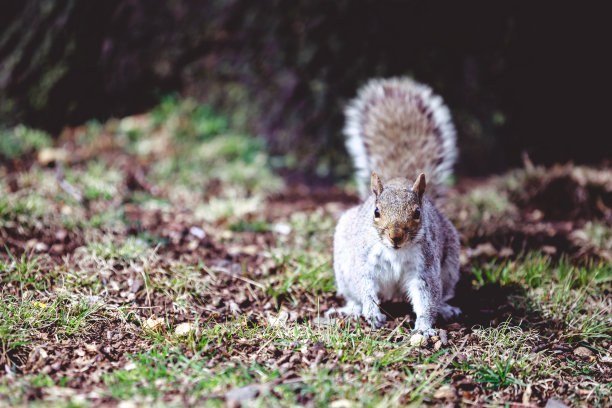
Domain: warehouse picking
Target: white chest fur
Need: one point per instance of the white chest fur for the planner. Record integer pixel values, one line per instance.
(393, 268)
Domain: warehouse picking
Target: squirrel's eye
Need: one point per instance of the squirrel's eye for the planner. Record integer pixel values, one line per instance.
(376, 213)
(417, 214)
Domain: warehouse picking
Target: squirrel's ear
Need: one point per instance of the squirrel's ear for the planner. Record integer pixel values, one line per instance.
(419, 186)
(376, 185)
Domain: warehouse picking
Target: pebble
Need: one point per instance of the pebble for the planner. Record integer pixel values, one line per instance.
(418, 340)
(283, 229)
(243, 393)
(197, 232)
(40, 247)
(153, 323)
(184, 329)
(553, 403)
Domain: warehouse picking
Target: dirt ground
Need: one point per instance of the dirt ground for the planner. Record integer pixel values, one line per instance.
(218, 270)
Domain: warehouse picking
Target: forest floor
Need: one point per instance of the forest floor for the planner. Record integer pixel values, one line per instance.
(160, 260)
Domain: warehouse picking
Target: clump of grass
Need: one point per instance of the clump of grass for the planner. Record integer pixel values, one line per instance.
(354, 359)
(481, 209)
(163, 371)
(24, 318)
(24, 207)
(97, 181)
(302, 259)
(573, 294)
(131, 249)
(21, 139)
(502, 360)
(225, 174)
(25, 272)
(251, 226)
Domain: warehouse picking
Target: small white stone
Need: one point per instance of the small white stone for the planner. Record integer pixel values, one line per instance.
(281, 228)
(197, 232)
(418, 340)
(184, 329)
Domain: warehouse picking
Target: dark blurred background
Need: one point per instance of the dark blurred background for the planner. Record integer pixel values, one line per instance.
(518, 76)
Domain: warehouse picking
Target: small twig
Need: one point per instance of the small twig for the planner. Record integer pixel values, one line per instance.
(252, 282)
(397, 328)
(541, 347)
(262, 347)
(560, 347)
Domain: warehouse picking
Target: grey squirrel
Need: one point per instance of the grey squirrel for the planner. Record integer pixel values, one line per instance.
(397, 243)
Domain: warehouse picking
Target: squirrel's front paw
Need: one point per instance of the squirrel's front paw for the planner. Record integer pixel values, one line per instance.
(424, 328)
(427, 333)
(375, 317)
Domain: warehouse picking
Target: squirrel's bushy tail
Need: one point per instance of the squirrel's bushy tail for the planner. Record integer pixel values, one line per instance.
(399, 128)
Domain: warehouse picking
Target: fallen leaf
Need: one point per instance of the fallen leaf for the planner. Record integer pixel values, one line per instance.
(583, 352)
(445, 392)
(91, 348)
(280, 320)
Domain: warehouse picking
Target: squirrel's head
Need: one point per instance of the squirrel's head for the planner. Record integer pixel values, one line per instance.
(397, 215)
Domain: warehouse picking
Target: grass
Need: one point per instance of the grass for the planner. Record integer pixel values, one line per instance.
(19, 140)
(171, 369)
(575, 295)
(254, 284)
(107, 249)
(24, 272)
(96, 181)
(28, 208)
(23, 320)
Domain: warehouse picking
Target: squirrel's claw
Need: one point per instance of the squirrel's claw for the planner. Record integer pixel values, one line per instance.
(427, 333)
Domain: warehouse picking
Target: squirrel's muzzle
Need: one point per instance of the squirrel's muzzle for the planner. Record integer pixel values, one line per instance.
(396, 237)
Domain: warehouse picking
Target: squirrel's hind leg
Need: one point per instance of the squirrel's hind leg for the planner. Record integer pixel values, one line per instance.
(448, 312)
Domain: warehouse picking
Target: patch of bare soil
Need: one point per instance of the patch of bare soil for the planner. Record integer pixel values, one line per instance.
(561, 211)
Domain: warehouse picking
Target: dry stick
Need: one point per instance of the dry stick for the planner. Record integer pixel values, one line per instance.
(252, 282)
(397, 328)
(541, 347)
(262, 347)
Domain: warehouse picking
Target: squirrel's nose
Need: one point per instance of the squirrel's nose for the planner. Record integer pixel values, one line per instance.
(396, 239)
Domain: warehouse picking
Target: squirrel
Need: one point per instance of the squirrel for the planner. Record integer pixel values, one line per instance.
(397, 243)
